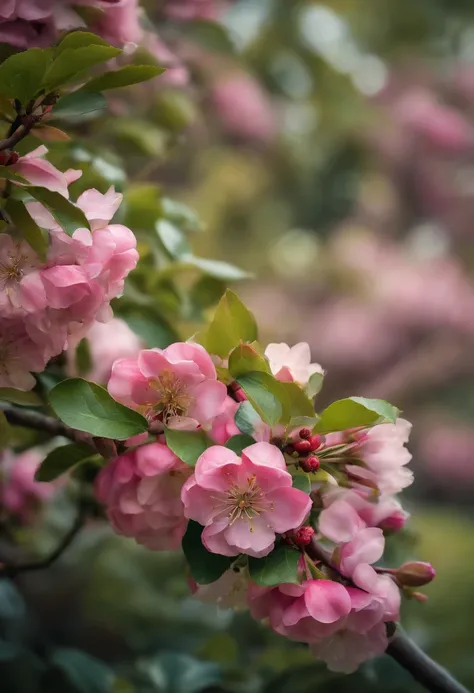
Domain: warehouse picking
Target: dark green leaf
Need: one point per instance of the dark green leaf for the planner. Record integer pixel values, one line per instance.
(302, 482)
(205, 567)
(206, 292)
(247, 419)
(21, 74)
(211, 36)
(88, 407)
(232, 324)
(124, 77)
(31, 232)
(172, 239)
(353, 412)
(279, 567)
(239, 442)
(86, 673)
(61, 460)
(28, 399)
(187, 445)
(176, 672)
(79, 39)
(260, 389)
(245, 359)
(68, 216)
(71, 63)
(75, 106)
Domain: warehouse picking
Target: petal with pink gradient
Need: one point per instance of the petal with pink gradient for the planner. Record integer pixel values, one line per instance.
(290, 507)
(327, 601)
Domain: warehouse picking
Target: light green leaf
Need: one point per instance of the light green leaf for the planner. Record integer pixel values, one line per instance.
(354, 412)
(233, 323)
(88, 407)
(262, 391)
(247, 419)
(218, 269)
(73, 107)
(239, 442)
(172, 238)
(205, 567)
(297, 402)
(181, 215)
(31, 232)
(68, 216)
(187, 445)
(302, 482)
(244, 359)
(71, 64)
(21, 74)
(315, 384)
(79, 39)
(279, 567)
(27, 399)
(63, 459)
(124, 77)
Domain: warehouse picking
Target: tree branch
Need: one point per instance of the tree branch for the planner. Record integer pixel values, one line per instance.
(423, 669)
(28, 122)
(11, 571)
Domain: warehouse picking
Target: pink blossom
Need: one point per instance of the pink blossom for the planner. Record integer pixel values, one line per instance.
(107, 342)
(141, 491)
(21, 288)
(243, 502)
(345, 650)
(223, 426)
(291, 364)
(39, 171)
(20, 494)
(19, 355)
(228, 592)
(176, 386)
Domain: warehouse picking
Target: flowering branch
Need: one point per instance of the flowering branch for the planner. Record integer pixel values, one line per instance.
(427, 672)
(27, 124)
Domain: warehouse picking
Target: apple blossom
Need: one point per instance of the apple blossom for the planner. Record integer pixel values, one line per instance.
(291, 363)
(20, 494)
(243, 502)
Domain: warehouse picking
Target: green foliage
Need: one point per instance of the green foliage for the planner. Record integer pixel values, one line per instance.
(239, 442)
(88, 407)
(232, 324)
(86, 674)
(63, 459)
(124, 77)
(246, 418)
(70, 64)
(279, 567)
(29, 229)
(28, 399)
(187, 445)
(22, 74)
(68, 216)
(354, 412)
(73, 107)
(205, 567)
(244, 359)
(263, 392)
(302, 482)
(211, 35)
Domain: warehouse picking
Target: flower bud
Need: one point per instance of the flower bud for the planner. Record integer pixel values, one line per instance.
(310, 465)
(315, 441)
(394, 522)
(302, 446)
(305, 433)
(13, 158)
(415, 574)
(302, 537)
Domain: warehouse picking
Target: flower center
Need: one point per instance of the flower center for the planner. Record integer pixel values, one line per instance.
(245, 503)
(13, 271)
(173, 397)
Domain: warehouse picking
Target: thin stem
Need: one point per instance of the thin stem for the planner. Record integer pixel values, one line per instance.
(28, 122)
(423, 669)
(11, 571)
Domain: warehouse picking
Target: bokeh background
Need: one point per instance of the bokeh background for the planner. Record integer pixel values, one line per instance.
(331, 155)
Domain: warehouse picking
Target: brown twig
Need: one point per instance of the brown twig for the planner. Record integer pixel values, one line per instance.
(28, 122)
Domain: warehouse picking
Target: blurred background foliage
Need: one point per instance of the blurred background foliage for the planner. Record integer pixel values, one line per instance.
(328, 148)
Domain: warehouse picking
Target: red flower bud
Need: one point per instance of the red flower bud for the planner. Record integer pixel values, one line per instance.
(4, 157)
(310, 464)
(305, 433)
(302, 445)
(302, 537)
(415, 574)
(315, 441)
(13, 158)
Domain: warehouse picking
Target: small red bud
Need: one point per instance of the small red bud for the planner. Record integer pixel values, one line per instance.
(310, 464)
(13, 158)
(302, 537)
(394, 522)
(302, 446)
(305, 433)
(4, 157)
(415, 574)
(315, 441)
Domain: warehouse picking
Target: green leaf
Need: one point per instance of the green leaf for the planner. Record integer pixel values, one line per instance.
(88, 407)
(75, 106)
(233, 323)
(218, 269)
(211, 36)
(6, 172)
(79, 39)
(302, 482)
(279, 567)
(5, 432)
(205, 567)
(27, 399)
(68, 216)
(354, 412)
(245, 359)
(187, 445)
(153, 330)
(83, 357)
(238, 442)
(63, 459)
(124, 77)
(31, 232)
(260, 389)
(247, 419)
(315, 384)
(172, 238)
(206, 292)
(296, 400)
(21, 74)
(181, 215)
(82, 671)
(71, 63)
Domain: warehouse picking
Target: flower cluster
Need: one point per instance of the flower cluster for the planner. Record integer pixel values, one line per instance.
(248, 505)
(44, 303)
(27, 23)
